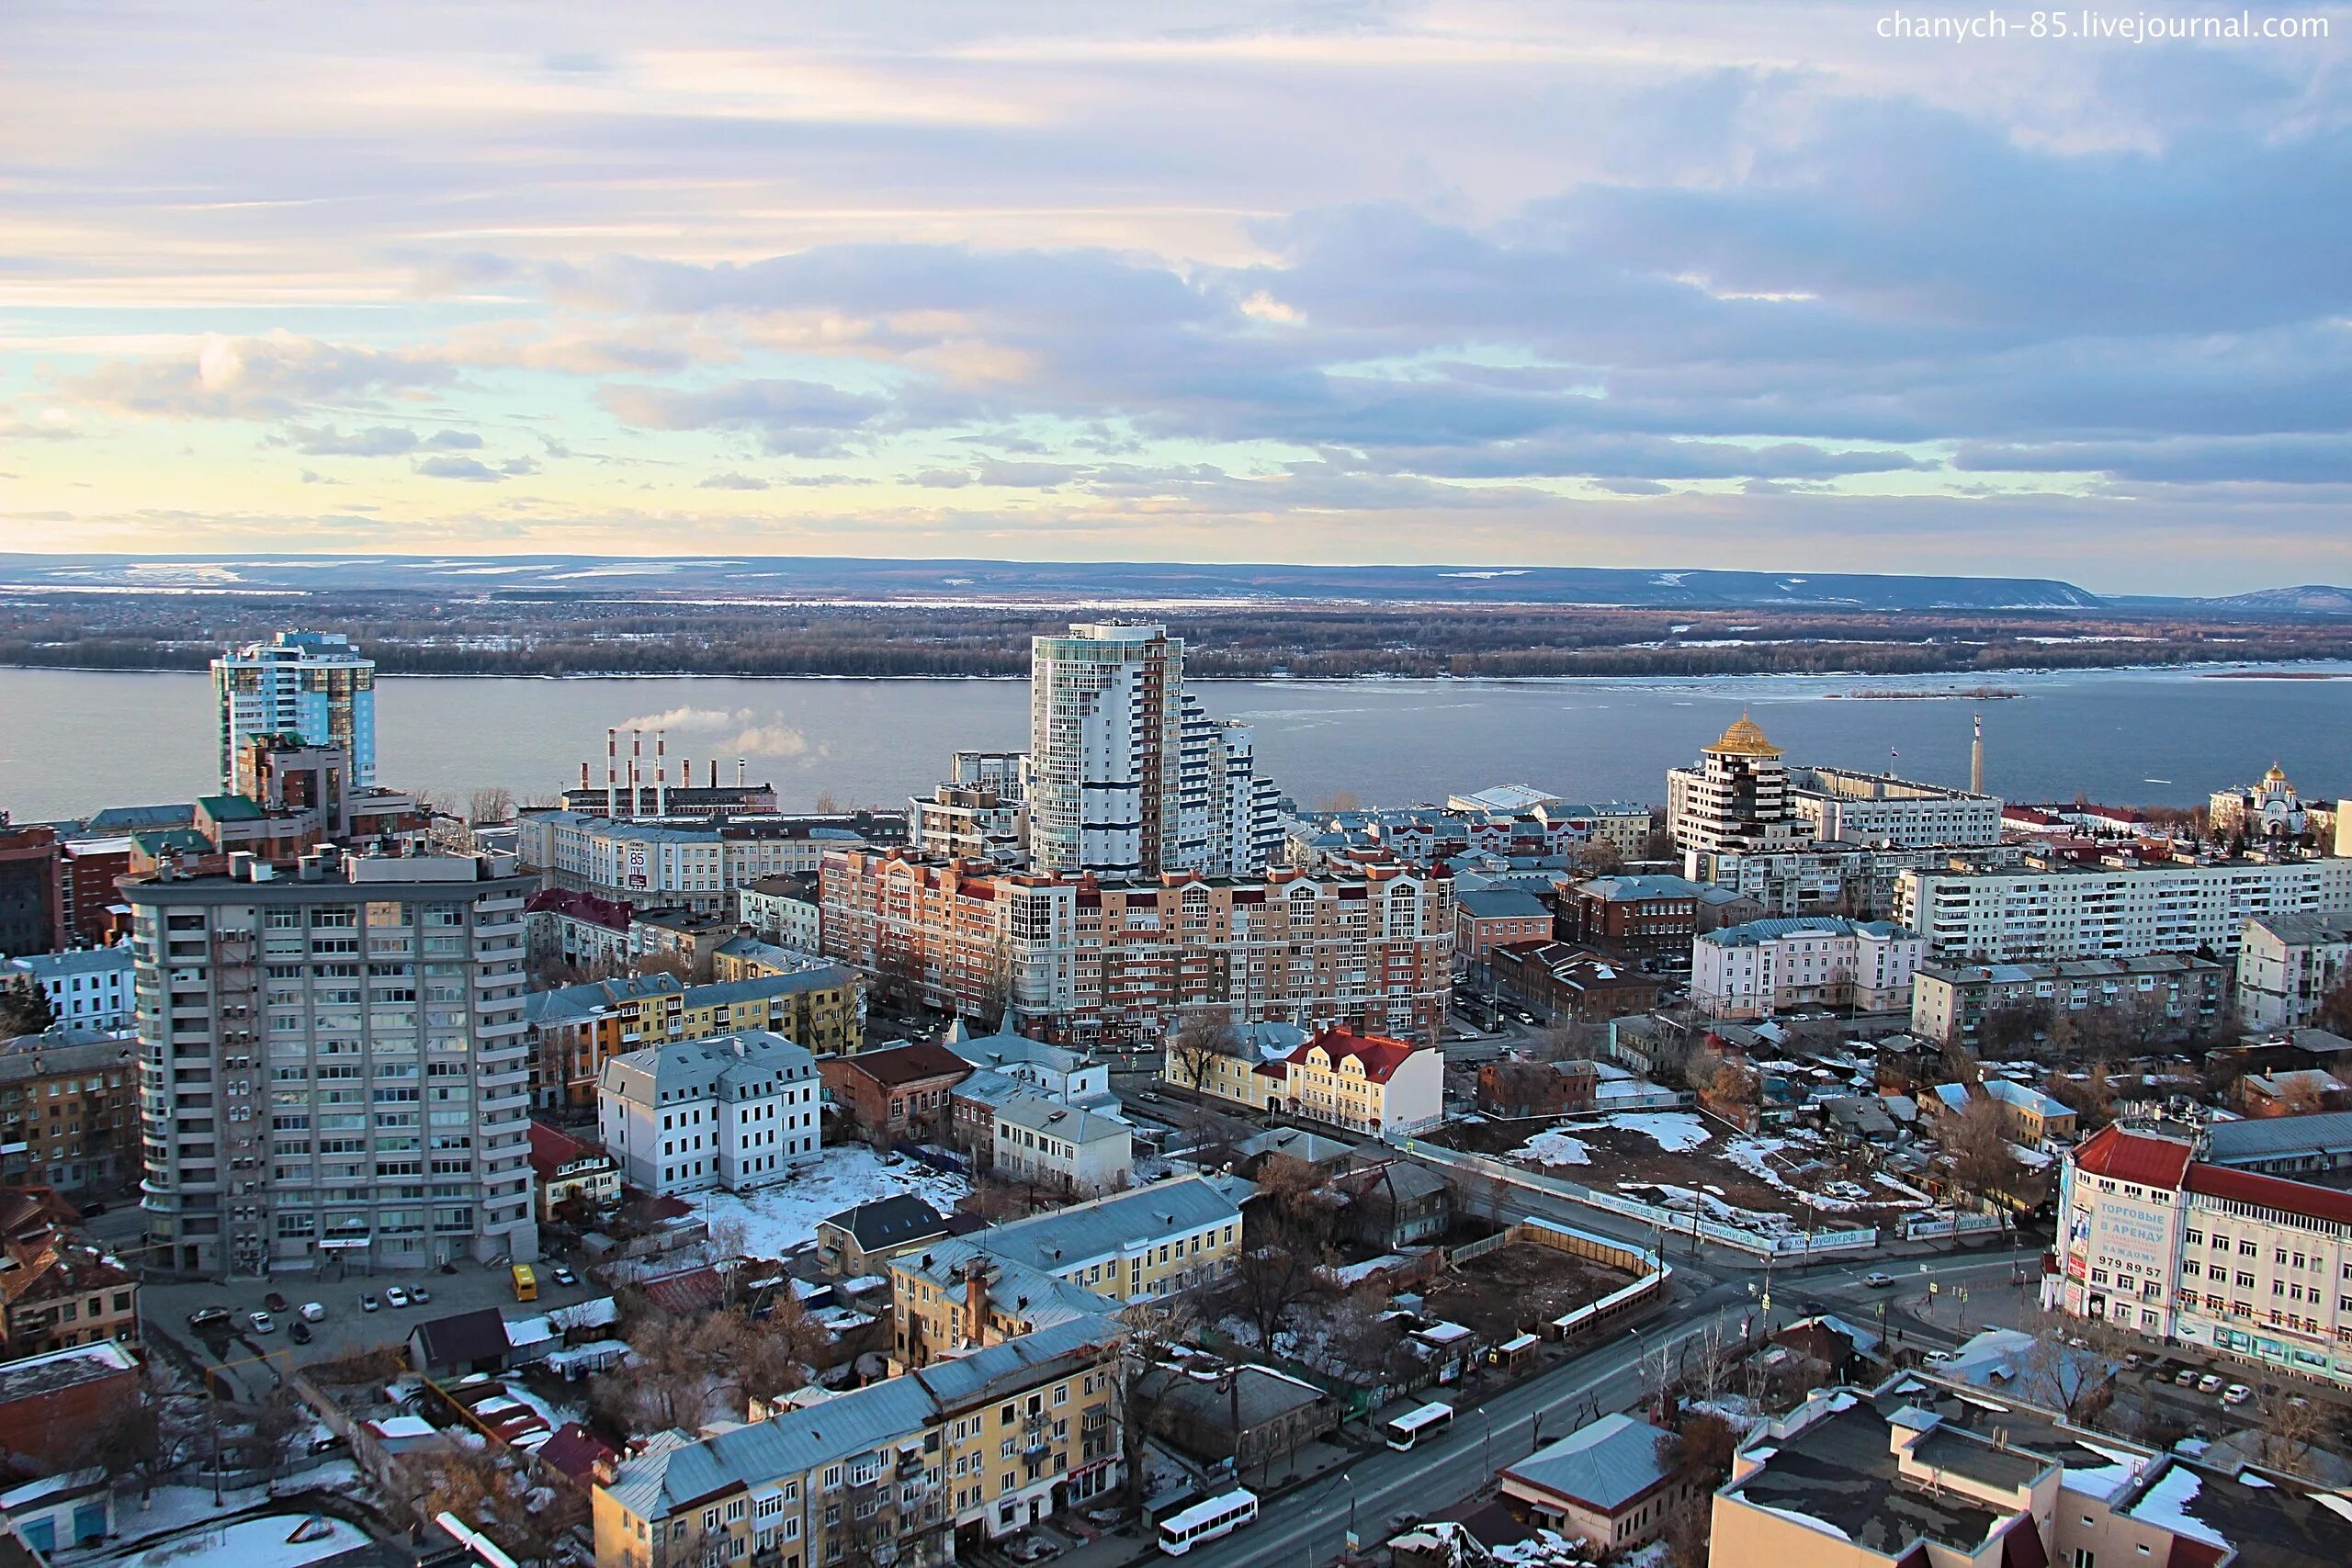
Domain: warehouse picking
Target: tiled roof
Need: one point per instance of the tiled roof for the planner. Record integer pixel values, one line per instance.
(2135, 1156)
(1380, 1055)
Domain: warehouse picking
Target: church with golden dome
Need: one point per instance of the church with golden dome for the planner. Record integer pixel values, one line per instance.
(2268, 811)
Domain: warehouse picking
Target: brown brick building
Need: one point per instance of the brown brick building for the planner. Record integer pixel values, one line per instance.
(1563, 984)
(69, 1114)
(1629, 913)
(895, 1091)
(53, 1404)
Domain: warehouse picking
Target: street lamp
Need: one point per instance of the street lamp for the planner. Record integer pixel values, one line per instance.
(1486, 1447)
(1353, 1540)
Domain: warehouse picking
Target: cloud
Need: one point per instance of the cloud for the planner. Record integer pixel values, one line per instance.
(377, 441)
(473, 469)
(268, 377)
(790, 417)
(733, 482)
(453, 441)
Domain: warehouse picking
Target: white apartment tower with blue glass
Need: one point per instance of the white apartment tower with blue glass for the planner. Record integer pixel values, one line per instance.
(314, 684)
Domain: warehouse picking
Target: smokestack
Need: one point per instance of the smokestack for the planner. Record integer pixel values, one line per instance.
(714, 773)
(1976, 758)
(661, 772)
(584, 775)
(612, 772)
(739, 772)
(636, 769)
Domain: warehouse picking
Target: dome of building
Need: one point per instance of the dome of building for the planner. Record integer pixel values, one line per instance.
(2276, 775)
(1743, 738)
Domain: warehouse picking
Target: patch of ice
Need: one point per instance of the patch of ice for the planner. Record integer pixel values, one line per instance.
(1676, 1132)
(2166, 1504)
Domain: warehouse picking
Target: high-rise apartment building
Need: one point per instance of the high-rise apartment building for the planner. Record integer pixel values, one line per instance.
(333, 1062)
(313, 684)
(2051, 910)
(1106, 725)
(1735, 798)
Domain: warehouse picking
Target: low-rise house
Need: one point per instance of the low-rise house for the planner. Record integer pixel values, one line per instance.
(563, 925)
(1562, 982)
(980, 1446)
(733, 1113)
(1395, 1203)
(1604, 1483)
(744, 957)
(1056, 1072)
(50, 1404)
(568, 1171)
(1367, 1083)
(2296, 1092)
(1071, 1150)
(575, 1030)
(461, 1343)
(1250, 1415)
(862, 1240)
(899, 1093)
(681, 935)
(61, 1512)
(2027, 1115)
(1250, 1075)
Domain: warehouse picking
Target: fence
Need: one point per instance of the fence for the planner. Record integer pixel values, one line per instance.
(1815, 1244)
(1916, 1228)
(936, 1157)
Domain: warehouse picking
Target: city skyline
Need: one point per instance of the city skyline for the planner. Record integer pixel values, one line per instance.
(1753, 285)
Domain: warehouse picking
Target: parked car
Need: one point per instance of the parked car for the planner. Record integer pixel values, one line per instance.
(263, 1323)
(2186, 1377)
(419, 1294)
(274, 1302)
(395, 1296)
(208, 1318)
(2131, 1361)
(298, 1332)
(313, 1313)
(563, 1276)
(2209, 1383)
(369, 1304)
(2236, 1393)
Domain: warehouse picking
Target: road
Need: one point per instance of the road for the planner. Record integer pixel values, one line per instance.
(1310, 1526)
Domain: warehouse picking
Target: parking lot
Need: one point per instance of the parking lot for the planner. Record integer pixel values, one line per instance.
(253, 1358)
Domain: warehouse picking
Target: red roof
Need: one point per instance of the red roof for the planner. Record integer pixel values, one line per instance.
(2271, 1192)
(2134, 1157)
(576, 1451)
(1380, 1055)
(552, 1148)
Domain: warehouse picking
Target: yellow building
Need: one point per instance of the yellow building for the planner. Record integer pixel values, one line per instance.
(575, 1028)
(1366, 1083)
(1079, 1263)
(896, 1472)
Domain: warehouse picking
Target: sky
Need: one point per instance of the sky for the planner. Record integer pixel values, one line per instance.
(1647, 283)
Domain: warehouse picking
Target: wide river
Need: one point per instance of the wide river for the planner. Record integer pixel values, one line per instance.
(73, 741)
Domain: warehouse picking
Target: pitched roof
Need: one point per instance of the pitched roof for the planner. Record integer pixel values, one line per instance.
(552, 1148)
(463, 1337)
(2135, 1156)
(894, 1221)
(2270, 1192)
(901, 1065)
(1501, 904)
(1379, 1055)
(1606, 1464)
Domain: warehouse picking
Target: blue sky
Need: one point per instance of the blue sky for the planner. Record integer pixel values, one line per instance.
(1653, 283)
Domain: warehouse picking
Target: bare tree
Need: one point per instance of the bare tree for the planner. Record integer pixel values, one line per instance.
(2075, 1380)
(489, 805)
(1598, 857)
(276, 1423)
(1975, 1138)
(2288, 1427)
(1571, 1040)
(1199, 1043)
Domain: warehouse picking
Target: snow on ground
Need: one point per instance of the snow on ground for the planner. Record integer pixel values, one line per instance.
(777, 1219)
(254, 1543)
(1555, 1148)
(1676, 1132)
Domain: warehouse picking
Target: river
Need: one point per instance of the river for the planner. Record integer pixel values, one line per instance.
(72, 741)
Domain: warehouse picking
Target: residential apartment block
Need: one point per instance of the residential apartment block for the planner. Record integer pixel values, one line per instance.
(734, 1111)
(895, 1473)
(782, 909)
(2180, 992)
(335, 1062)
(87, 988)
(1062, 1147)
(2289, 964)
(574, 1030)
(313, 684)
(1883, 811)
(1078, 960)
(697, 867)
(1778, 965)
(2157, 1240)
(2050, 910)
(1082, 1262)
(69, 1113)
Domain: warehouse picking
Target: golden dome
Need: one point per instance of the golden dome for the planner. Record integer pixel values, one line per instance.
(2276, 775)
(1745, 740)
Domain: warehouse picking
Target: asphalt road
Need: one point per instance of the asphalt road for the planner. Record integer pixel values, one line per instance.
(1310, 1526)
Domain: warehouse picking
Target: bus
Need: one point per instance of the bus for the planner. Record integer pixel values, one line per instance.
(1415, 1425)
(526, 1284)
(1221, 1515)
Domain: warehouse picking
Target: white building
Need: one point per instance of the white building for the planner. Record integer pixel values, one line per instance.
(2156, 1239)
(736, 1112)
(2288, 965)
(1880, 809)
(1736, 797)
(1778, 965)
(87, 988)
(2048, 910)
(1051, 1072)
(336, 1064)
(1228, 823)
(969, 822)
(784, 911)
(1105, 740)
(1006, 773)
(313, 684)
(664, 865)
(1062, 1147)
